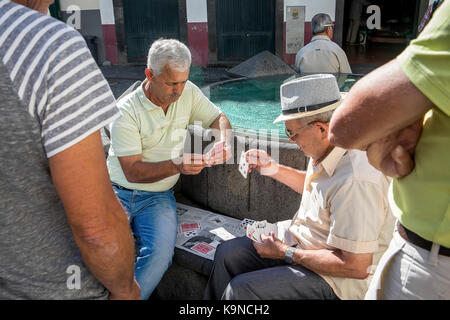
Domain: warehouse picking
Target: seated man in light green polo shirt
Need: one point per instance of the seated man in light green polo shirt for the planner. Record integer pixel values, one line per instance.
(146, 154)
(385, 113)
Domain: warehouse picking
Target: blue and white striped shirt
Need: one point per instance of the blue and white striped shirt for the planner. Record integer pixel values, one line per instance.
(55, 76)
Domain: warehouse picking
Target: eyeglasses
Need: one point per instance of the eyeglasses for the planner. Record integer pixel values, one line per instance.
(293, 135)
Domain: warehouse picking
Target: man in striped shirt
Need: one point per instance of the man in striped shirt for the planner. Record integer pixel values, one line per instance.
(63, 232)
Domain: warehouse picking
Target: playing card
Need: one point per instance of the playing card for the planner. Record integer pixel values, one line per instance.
(243, 165)
(246, 222)
(252, 233)
(255, 230)
(222, 233)
(191, 233)
(184, 227)
(270, 227)
(215, 150)
(203, 247)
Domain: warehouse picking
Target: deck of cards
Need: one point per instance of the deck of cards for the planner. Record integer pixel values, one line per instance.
(256, 229)
(216, 150)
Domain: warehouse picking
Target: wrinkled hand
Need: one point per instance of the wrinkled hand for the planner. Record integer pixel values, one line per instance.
(271, 247)
(190, 163)
(219, 154)
(394, 154)
(261, 161)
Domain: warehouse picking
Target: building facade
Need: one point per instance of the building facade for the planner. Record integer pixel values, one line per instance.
(226, 32)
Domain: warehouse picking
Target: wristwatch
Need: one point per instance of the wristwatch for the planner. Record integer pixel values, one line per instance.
(289, 254)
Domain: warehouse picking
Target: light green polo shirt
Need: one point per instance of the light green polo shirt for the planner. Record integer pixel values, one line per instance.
(143, 128)
(421, 200)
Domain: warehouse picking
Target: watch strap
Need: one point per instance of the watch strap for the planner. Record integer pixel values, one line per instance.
(288, 257)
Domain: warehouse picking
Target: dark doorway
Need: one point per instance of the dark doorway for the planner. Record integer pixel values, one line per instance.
(244, 28)
(369, 48)
(146, 21)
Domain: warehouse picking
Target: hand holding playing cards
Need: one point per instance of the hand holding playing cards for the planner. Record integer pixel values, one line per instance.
(220, 153)
(261, 161)
(190, 163)
(271, 247)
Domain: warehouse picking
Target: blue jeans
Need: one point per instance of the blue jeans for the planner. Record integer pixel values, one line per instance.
(153, 220)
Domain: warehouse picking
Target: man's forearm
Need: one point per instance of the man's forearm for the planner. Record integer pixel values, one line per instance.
(149, 172)
(329, 263)
(109, 252)
(223, 125)
(99, 224)
(337, 263)
(381, 103)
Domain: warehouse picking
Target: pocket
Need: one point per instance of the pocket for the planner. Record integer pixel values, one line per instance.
(426, 281)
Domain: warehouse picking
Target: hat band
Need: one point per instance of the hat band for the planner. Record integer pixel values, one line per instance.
(308, 108)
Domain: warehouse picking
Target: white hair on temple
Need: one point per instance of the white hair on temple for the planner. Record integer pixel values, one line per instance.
(320, 22)
(168, 51)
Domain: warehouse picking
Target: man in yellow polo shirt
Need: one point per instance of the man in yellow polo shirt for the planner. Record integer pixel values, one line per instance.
(385, 113)
(146, 154)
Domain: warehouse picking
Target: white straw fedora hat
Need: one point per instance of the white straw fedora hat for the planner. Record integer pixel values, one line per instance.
(309, 95)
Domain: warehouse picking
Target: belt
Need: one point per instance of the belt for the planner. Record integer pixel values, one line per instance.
(120, 187)
(419, 241)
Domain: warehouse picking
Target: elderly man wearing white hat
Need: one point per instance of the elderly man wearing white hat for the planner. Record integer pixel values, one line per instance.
(333, 243)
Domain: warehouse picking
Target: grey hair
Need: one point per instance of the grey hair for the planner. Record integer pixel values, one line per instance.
(320, 22)
(323, 117)
(171, 52)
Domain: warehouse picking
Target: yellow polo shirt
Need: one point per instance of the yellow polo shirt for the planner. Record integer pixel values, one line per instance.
(421, 200)
(143, 128)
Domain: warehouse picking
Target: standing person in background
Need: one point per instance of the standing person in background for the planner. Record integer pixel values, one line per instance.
(322, 55)
(63, 232)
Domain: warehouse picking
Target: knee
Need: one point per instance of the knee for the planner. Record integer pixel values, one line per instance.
(238, 289)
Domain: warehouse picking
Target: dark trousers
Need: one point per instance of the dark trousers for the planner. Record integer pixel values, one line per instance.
(239, 273)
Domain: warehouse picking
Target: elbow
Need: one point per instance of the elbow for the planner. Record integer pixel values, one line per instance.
(357, 266)
(339, 135)
(361, 274)
(97, 239)
(131, 175)
(130, 178)
(360, 271)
